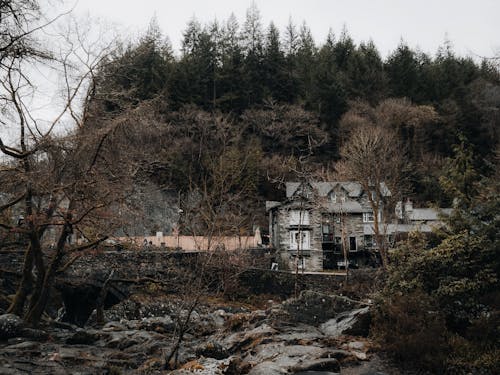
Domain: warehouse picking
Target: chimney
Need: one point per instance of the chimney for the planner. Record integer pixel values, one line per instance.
(408, 209)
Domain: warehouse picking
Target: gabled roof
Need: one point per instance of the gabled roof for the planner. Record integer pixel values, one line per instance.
(322, 189)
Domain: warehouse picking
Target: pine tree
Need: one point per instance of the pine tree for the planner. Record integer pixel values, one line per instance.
(252, 40)
(306, 54)
(275, 66)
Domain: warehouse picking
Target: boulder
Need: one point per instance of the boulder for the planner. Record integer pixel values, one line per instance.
(82, 337)
(322, 364)
(158, 324)
(314, 307)
(24, 346)
(10, 326)
(354, 322)
(212, 349)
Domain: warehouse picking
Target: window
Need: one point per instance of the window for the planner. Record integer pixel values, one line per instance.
(333, 197)
(368, 217)
(338, 245)
(299, 240)
(327, 231)
(352, 244)
(298, 217)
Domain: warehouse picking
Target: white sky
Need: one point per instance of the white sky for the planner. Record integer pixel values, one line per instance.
(473, 27)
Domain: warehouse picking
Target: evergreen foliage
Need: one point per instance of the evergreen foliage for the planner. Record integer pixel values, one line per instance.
(457, 280)
(236, 69)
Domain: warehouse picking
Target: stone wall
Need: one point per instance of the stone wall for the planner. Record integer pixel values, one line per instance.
(359, 284)
(197, 243)
(92, 268)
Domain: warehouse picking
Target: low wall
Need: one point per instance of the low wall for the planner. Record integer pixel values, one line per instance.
(196, 243)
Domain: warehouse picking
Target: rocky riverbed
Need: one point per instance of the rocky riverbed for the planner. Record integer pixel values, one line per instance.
(312, 334)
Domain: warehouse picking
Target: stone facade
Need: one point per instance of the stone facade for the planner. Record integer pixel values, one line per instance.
(317, 221)
(332, 216)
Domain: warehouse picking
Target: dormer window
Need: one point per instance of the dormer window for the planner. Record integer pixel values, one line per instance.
(368, 217)
(333, 197)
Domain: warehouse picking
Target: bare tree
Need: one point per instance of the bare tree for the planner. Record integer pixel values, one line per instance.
(62, 180)
(218, 176)
(375, 158)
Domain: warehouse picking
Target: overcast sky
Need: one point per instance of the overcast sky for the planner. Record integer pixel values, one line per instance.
(473, 27)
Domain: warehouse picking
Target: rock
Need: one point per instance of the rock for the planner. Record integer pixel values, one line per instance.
(353, 322)
(339, 354)
(267, 368)
(114, 326)
(314, 307)
(114, 339)
(69, 354)
(35, 334)
(212, 350)
(299, 334)
(82, 338)
(361, 326)
(127, 343)
(356, 345)
(10, 326)
(205, 366)
(218, 318)
(322, 364)
(158, 324)
(26, 345)
(360, 355)
(278, 358)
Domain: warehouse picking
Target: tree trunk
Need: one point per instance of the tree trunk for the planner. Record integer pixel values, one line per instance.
(40, 268)
(37, 307)
(380, 241)
(17, 305)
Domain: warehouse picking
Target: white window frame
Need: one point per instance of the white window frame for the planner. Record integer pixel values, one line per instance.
(368, 217)
(306, 240)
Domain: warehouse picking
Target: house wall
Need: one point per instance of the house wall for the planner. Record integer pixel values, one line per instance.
(314, 256)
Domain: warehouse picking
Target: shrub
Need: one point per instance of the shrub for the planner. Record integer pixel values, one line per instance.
(411, 329)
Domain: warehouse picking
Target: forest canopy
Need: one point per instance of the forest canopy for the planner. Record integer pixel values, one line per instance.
(290, 95)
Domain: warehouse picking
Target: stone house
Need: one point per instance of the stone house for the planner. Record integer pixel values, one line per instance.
(318, 220)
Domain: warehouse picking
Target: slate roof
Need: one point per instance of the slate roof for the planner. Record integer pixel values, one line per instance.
(427, 214)
(354, 189)
(398, 228)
